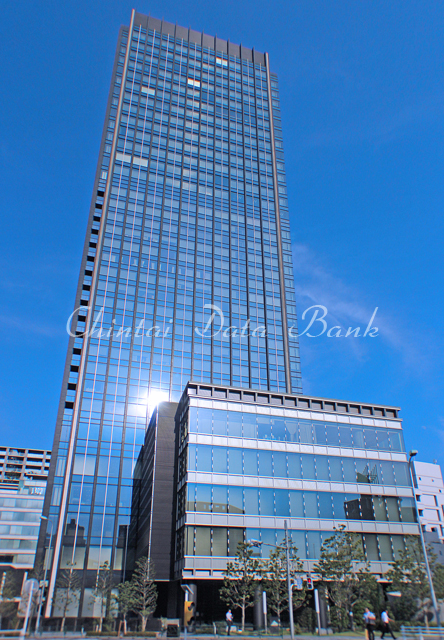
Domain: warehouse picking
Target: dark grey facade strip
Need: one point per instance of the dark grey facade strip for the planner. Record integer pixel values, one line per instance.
(266, 311)
(181, 198)
(278, 235)
(153, 435)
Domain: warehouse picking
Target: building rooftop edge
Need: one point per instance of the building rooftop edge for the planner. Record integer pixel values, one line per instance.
(17, 448)
(288, 400)
(200, 38)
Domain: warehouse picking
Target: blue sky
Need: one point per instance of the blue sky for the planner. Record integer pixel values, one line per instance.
(362, 99)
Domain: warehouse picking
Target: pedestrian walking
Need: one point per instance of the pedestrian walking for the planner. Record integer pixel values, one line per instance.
(229, 620)
(369, 621)
(386, 624)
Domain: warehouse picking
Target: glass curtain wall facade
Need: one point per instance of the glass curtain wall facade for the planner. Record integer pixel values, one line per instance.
(248, 465)
(189, 220)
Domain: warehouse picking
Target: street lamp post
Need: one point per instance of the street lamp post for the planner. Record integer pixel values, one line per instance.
(289, 587)
(286, 546)
(39, 613)
(412, 454)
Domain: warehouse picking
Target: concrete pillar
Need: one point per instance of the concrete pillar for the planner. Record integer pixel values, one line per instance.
(173, 588)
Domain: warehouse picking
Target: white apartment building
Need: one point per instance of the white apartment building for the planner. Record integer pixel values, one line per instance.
(429, 490)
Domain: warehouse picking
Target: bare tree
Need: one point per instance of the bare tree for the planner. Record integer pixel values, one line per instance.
(102, 591)
(68, 590)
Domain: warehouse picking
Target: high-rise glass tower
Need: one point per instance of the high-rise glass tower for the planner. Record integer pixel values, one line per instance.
(186, 272)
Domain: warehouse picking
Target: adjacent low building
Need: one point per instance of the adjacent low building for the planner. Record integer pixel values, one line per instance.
(429, 491)
(18, 464)
(20, 510)
(23, 477)
(247, 460)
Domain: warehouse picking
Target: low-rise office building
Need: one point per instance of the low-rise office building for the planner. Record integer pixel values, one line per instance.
(245, 461)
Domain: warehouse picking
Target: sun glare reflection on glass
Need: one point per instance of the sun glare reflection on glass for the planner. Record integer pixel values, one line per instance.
(155, 397)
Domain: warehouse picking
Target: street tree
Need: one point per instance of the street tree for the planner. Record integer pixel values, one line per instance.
(408, 575)
(144, 590)
(240, 580)
(103, 590)
(68, 587)
(274, 580)
(9, 592)
(345, 574)
(125, 600)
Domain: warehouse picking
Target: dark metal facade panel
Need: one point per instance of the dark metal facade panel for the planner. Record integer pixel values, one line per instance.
(247, 54)
(194, 36)
(202, 39)
(153, 518)
(154, 23)
(259, 58)
(141, 20)
(181, 32)
(221, 45)
(168, 28)
(207, 41)
(288, 401)
(233, 50)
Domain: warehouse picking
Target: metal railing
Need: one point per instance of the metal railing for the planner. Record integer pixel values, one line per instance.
(421, 632)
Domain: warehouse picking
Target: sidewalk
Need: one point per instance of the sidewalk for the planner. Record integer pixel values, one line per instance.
(71, 635)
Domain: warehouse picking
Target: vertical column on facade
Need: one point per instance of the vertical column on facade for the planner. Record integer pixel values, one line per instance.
(296, 386)
(266, 313)
(278, 233)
